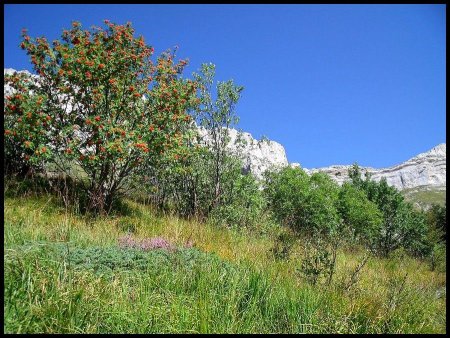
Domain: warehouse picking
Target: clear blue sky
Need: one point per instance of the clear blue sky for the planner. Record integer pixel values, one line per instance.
(334, 84)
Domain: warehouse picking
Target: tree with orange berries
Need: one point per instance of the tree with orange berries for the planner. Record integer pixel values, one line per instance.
(100, 102)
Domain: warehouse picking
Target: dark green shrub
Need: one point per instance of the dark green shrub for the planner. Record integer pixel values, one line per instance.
(308, 206)
(301, 202)
(185, 187)
(402, 226)
(437, 220)
(437, 257)
(283, 245)
(188, 190)
(359, 214)
(242, 203)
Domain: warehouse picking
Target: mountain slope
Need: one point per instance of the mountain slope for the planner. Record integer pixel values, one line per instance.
(427, 169)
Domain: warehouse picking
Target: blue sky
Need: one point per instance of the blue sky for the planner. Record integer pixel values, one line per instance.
(334, 84)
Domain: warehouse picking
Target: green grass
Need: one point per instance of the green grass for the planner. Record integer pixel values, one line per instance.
(424, 198)
(64, 273)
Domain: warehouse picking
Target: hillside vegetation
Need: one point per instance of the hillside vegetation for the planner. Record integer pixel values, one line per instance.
(425, 197)
(121, 218)
(66, 273)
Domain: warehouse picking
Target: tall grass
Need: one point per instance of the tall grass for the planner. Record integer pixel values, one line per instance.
(65, 273)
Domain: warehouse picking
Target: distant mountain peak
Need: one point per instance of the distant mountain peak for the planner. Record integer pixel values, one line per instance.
(440, 151)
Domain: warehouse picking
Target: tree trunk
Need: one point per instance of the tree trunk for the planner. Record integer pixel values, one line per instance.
(96, 195)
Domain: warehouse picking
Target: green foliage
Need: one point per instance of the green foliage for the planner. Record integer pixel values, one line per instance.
(309, 206)
(184, 186)
(188, 189)
(411, 230)
(354, 173)
(213, 115)
(318, 261)
(438, 257)
(323, 200)
(242, 203)
(216, 117)
(436, 238)
(359, 214)
(283, 245)
(402, 226)
(209, 183)
(286, 192)
(303, 203)
(437, 220)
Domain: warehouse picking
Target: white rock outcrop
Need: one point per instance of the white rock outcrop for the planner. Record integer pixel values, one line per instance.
(257, 155)
(7, 89)
(426, 169)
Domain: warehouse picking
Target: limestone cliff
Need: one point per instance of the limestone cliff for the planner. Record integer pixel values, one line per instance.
(427, 169)
(257, 155)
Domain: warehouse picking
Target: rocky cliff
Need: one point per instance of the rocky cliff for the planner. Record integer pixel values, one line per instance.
(257, 155)
(427, 169)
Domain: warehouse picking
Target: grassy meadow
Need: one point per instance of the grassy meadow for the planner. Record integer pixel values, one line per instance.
(65, 273)
(425, 197)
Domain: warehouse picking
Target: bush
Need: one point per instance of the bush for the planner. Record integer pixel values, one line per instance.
(301, 202)
(309, 205)
(187, 187)
(402, 226)
(436, 244)
(317, 263)
(283, 245)
(359, 214)
(436, 218)
(242, 203)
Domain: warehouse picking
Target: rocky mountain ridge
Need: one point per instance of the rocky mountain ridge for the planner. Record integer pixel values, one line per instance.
(427, 169)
